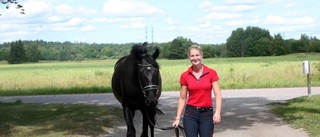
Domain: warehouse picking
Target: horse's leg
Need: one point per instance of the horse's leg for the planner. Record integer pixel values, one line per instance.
(147, 118)
(152, 115)
(145, 123)
(128, 116)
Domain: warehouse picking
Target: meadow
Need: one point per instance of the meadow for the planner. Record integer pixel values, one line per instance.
(94, 76)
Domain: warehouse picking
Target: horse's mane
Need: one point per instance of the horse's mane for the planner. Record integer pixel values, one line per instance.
(139, 51)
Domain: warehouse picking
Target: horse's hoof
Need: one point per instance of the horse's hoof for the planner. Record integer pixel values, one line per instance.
(131, 135)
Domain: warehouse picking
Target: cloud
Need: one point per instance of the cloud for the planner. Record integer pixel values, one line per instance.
(290, 5)
(244, 2)
(134, 25)
(65, 9)
(74, 22)
(222, 16)
(205, 6)
(172, 21)
(281, 20)
(248, 22)
(87, 28)
(209, 7)
(205, 24)
(116, 20)
(129, 8)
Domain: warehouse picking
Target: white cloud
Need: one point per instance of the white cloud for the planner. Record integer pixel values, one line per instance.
(74, 22)
(116, 20)
(206, 24)
(6, 27)
(290, 5)
(87, 28)
(192, 29)
(129, 8)
(222, 16)
(64, 9)
(36, 8)
(16, 33)
(172, 21)
(244, 2)
(249, 22)
(134, 25)
(55, 18)
(205, 6)
(281, 20)
(295, 14)
(171, 28)
(209, 7)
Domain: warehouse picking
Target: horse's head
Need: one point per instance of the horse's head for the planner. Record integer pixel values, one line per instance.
(149, 75)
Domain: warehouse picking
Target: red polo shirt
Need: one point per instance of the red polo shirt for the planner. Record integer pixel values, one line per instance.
(199, 90)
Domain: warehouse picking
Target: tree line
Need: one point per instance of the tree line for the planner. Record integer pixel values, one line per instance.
(248, 42)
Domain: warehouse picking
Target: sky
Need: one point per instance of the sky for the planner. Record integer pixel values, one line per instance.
(126, 21)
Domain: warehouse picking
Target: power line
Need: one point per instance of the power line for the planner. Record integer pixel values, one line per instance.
(146, 34)
(151, 34)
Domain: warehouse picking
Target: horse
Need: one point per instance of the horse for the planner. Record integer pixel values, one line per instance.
(136, 84)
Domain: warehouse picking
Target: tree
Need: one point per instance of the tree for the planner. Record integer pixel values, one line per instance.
(278, 46)
(17, 53)
(315, 45)
(14, 2)
(262, 47)
(241, 43)
(178, 48)
(208, 51)
(234, 45)
(32, 53)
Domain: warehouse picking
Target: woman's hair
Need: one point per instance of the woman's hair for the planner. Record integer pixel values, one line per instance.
(197, 47)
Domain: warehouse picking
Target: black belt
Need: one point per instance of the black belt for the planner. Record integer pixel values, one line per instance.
(201, 109)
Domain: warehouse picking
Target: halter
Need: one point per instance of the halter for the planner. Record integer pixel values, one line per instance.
(148, 87)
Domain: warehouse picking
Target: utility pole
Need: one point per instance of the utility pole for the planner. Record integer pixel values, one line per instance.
(146, 34)
(152, 34)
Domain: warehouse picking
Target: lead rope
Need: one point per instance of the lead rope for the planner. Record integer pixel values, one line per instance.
(156, 125)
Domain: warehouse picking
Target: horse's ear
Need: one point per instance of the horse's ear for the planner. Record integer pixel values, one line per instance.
(156, 54)
(144, 47)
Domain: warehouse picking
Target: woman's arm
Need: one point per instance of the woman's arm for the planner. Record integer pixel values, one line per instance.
(181, 105)
(218, 97)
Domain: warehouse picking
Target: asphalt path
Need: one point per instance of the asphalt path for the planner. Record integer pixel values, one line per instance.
(245, 112)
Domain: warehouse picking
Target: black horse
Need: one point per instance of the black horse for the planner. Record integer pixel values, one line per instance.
(136, 83)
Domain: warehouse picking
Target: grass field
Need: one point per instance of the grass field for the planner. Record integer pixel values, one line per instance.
(18, 119)
(95, 76)
(302, 112)
(56, 120)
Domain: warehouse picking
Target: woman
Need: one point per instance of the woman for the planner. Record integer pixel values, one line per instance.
(197, 84)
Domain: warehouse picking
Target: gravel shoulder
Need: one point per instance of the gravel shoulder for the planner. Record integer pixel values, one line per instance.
(244, 112)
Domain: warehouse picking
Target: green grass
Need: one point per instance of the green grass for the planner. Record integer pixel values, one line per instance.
(56, 91)
(18, 119)
(302, 112)
(56, 120)
(95, 76)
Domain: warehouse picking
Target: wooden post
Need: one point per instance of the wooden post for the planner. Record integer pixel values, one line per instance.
(309, 85)
(306, 70)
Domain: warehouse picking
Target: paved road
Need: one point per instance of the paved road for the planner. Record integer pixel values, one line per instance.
(244, 112)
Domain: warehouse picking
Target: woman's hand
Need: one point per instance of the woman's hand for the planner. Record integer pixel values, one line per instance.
(216, 118)
(176, 123)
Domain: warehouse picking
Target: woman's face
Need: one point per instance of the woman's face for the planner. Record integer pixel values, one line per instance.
(195, 57)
